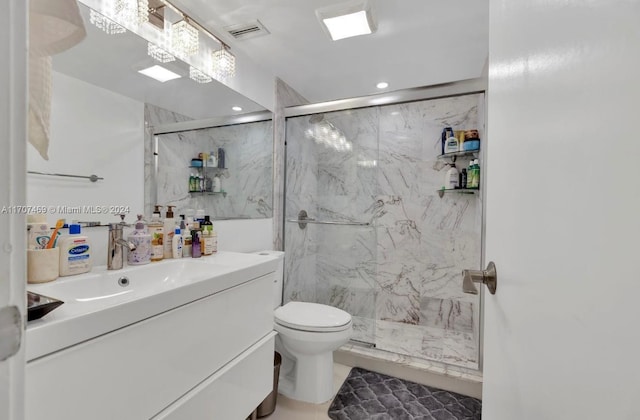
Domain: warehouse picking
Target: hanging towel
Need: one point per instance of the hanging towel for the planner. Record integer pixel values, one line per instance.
(54, 26)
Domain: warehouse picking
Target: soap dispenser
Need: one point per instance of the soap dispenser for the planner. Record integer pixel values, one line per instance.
(156, 230)
(142, 241)
(169, 225)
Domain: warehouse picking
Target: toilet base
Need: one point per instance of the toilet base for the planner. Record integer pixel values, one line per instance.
(310, 380)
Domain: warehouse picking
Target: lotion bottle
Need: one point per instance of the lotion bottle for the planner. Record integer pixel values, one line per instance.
(75, 252)
(177, 243)
(169, 225)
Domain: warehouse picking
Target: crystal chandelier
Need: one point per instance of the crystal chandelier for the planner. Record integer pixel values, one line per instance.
(184, 39)
(223, 64)
(131, 12)
(159, 54)
(198, 75)
(104, 23)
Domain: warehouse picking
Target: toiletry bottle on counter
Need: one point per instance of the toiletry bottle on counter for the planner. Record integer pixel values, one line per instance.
(207, 236)
(195, 244)
(75, 252)
(451, 178)
(169, 225)
(156, 229)
(141, 238)
(177, 243)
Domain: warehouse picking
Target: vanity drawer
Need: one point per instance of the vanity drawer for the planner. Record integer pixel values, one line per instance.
(137, 371)
(231, 393)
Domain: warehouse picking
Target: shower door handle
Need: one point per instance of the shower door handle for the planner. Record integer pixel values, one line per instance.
(488, 277)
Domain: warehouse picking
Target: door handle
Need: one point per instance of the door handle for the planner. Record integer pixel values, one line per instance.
(488, 277)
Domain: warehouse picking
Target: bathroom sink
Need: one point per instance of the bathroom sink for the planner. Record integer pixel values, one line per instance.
(102, 300)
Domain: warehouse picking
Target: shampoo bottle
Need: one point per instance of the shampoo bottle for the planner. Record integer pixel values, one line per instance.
(75, 252)
(142, 240)
(451, 178)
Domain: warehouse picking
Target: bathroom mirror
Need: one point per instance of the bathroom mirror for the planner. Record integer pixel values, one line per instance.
(102, 112)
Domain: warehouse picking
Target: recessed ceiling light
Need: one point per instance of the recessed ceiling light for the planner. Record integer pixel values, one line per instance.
(159, 73)
(237, 108)
(344, 21)
(382, 85)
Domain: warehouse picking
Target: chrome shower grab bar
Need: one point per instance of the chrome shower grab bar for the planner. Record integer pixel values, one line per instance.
(327, 222)
(92, 178)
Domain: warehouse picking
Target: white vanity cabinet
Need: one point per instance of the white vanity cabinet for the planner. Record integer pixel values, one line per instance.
(211, 358)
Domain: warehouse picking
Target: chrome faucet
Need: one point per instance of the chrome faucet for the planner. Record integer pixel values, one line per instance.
(115, 256)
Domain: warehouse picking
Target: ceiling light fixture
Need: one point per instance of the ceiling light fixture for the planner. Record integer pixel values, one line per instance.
(382, 85)
(105, 24)
(199, 76)
(236, 108)
(223, 64)
(347, 20)
(159, 54)
(132, 12)
(185, 38)
(159, 73)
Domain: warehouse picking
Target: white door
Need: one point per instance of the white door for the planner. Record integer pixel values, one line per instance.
(562, 334)
(13, 91)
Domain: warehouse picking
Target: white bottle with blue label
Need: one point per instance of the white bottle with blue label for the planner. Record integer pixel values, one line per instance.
(75, 253)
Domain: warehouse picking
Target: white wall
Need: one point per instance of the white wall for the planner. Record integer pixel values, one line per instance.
(93, 131)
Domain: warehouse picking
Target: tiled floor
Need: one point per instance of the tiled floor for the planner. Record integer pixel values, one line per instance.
(287, 409)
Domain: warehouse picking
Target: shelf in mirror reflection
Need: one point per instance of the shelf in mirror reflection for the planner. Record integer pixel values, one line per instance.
(222, 193)
(208, 167)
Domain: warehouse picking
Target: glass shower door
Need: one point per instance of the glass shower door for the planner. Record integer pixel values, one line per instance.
(331, 175)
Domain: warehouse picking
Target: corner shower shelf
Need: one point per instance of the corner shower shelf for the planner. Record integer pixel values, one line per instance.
(458, 190)
(454, 155)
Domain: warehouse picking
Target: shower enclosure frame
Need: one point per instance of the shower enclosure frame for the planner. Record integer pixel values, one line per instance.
(439, 91)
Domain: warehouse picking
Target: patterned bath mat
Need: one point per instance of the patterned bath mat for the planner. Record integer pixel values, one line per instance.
(367, 395)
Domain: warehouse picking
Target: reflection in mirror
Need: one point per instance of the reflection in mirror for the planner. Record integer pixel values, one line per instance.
(225, 171)
(98, 125)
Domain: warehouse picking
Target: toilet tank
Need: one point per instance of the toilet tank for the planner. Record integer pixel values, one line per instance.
(278, 276)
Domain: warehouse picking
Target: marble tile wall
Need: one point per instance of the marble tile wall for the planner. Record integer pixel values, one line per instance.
(285, 96)
(399, 277)
(247, 179)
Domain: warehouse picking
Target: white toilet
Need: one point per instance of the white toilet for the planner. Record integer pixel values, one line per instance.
(308, 333)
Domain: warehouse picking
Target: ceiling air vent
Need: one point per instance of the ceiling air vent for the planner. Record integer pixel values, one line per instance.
(247, 30)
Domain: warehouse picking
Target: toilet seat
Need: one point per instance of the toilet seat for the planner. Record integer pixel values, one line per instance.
(313, 317)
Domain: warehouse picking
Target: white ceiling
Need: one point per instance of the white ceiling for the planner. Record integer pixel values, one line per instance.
(418, 43)
(112, 61)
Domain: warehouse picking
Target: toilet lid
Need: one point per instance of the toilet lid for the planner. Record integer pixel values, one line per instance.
(307, 316)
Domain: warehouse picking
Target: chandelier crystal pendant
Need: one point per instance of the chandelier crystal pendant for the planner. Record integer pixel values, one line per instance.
(198, 75)
(159, 53)
(131, 12)
(223, 64)
(184, 39)
(105, 24)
